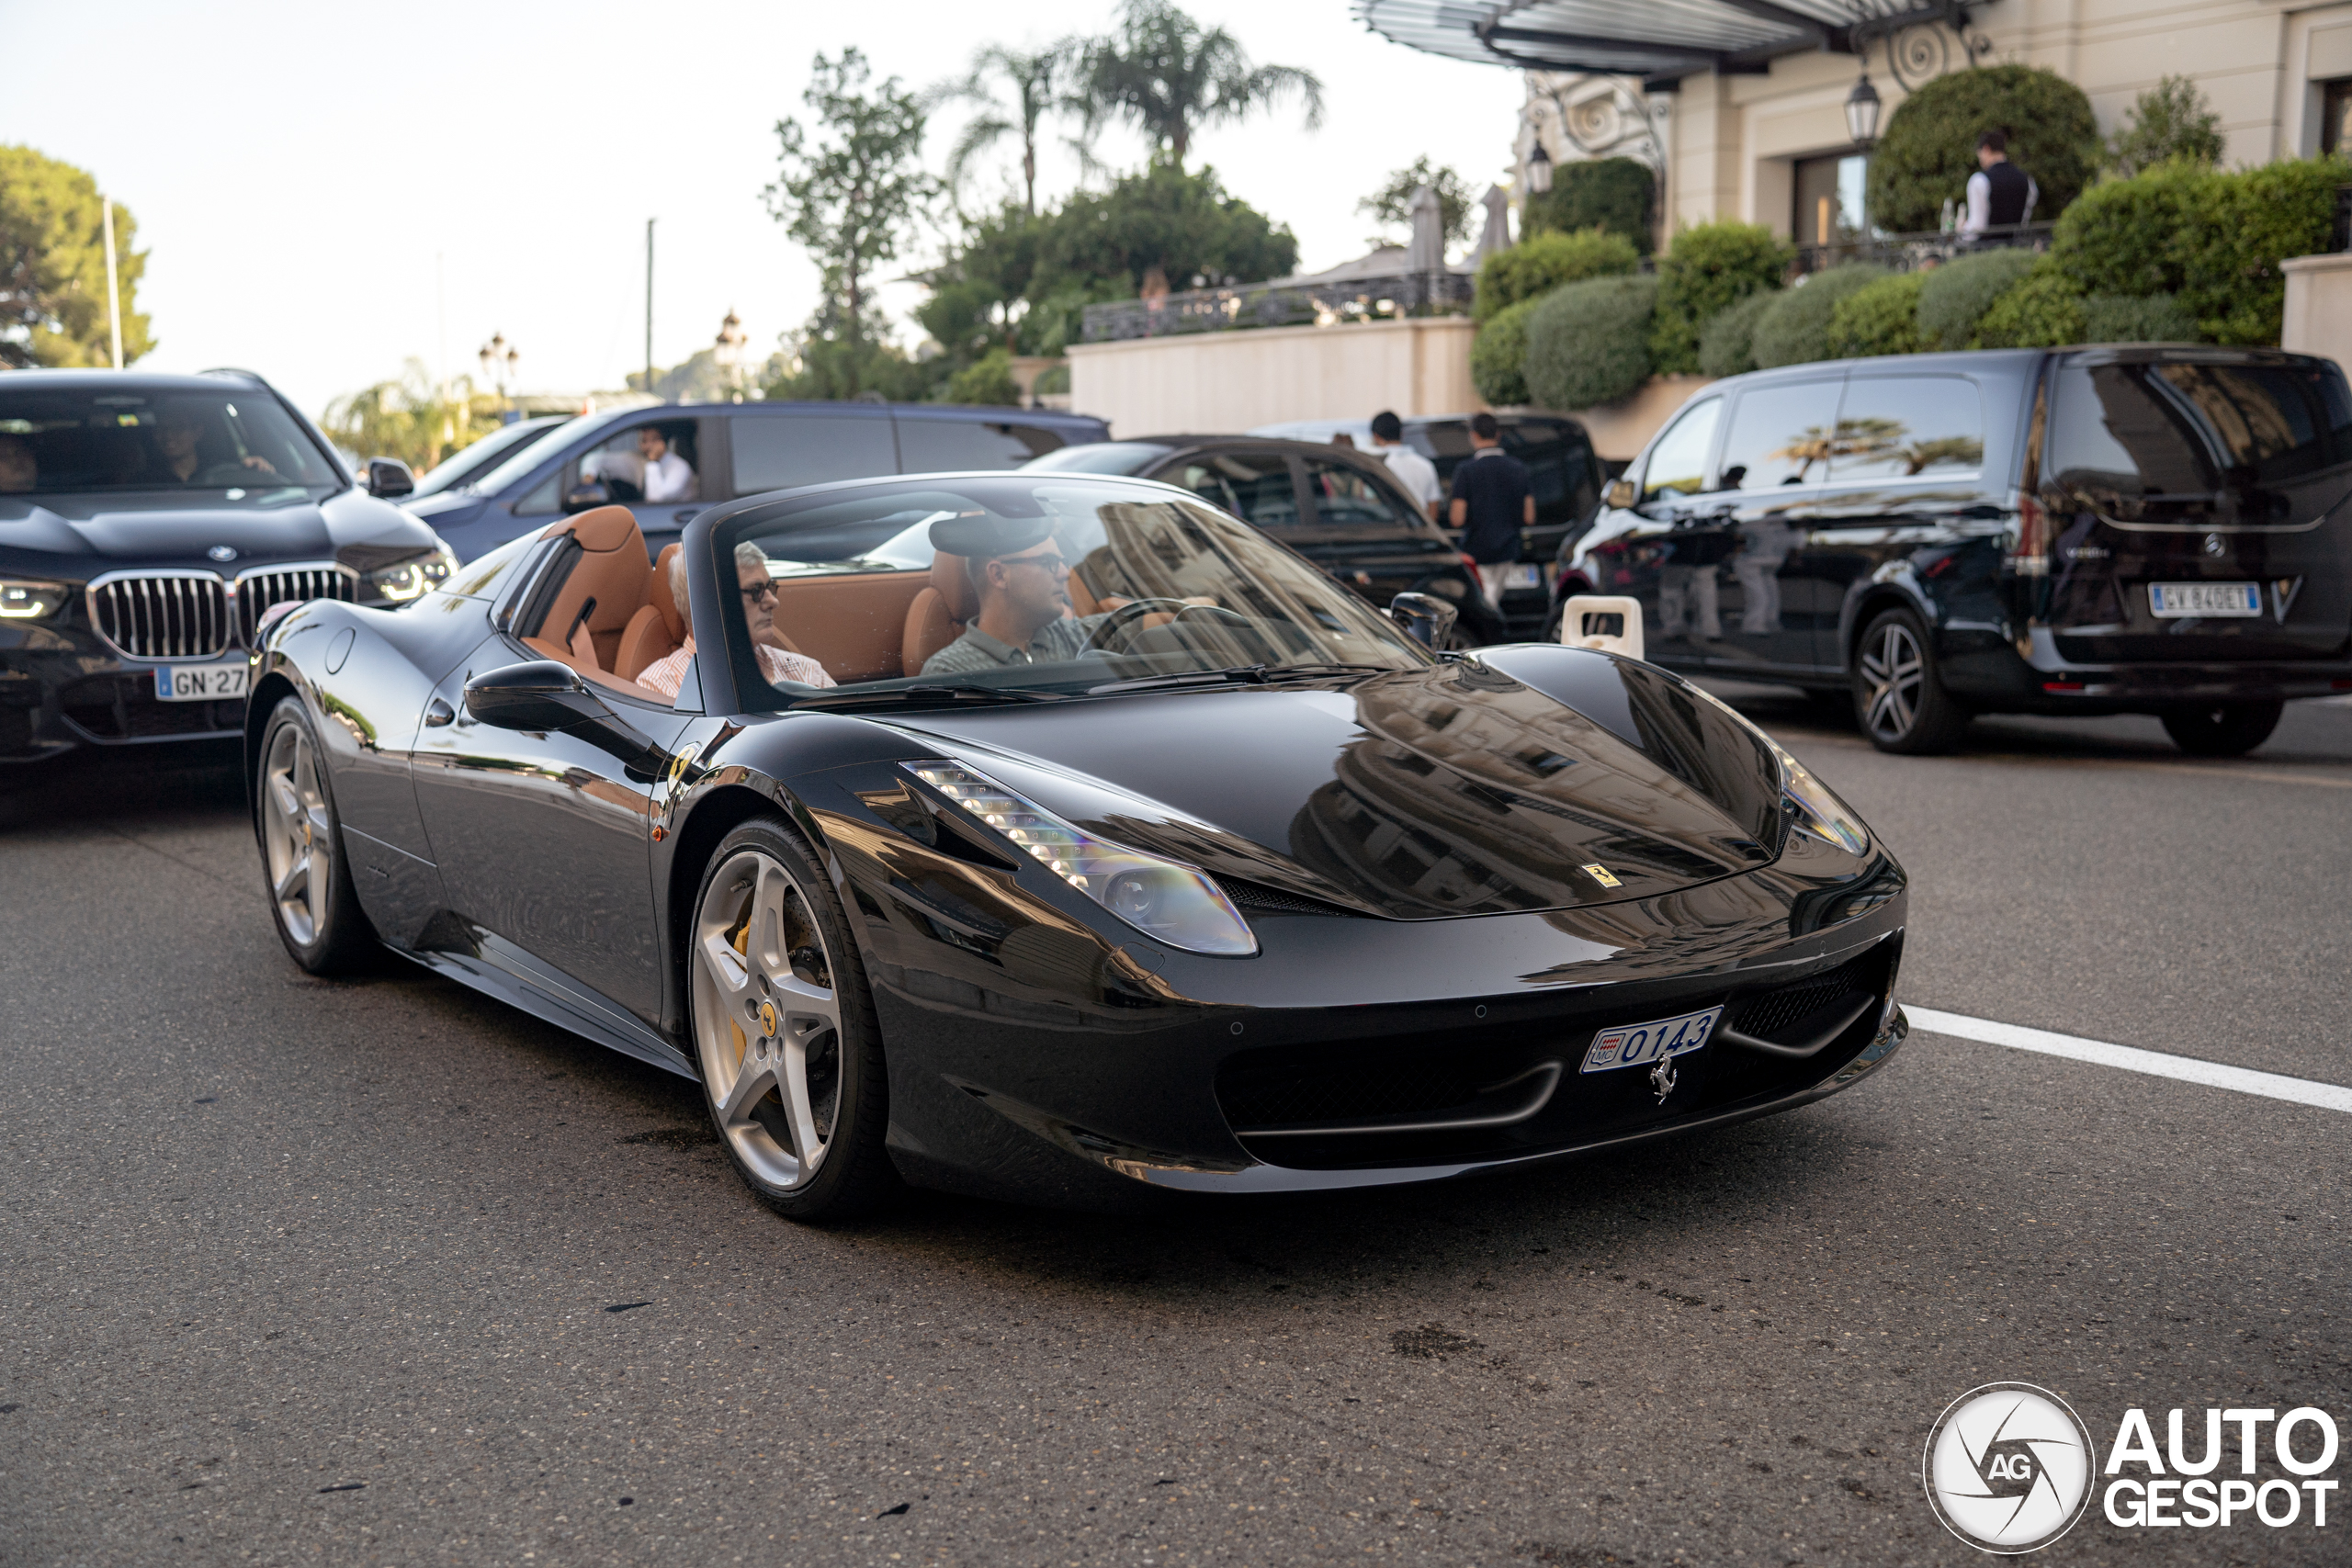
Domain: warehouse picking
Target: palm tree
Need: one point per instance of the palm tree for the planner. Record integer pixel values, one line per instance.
(1031, 73)
(1168, 76)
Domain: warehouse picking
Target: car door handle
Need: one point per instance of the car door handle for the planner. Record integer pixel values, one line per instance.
(438, 714)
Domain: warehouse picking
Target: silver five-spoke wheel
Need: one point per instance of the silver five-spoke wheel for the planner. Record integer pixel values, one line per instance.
(1897, 692)
(297, 834)
(767, 1020)
(1892, 670)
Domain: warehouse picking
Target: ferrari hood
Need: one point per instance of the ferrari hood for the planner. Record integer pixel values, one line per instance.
(1456, 790)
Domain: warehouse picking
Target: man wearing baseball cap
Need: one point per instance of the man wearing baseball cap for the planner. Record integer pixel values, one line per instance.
(1023, 586)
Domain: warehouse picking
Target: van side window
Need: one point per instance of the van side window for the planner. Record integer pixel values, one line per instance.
(1678, 462)
(947, 445)
(1901, 427)
(2150, 440)
(778, 451)
(1780, 435)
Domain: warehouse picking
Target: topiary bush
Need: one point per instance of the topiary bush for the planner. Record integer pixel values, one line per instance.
(1929, 147)
(1955, 296)
(2123, 237)
(1706, 270)
(1498, 355)
(1537, 266)
(2159, 318)
(1727, 344)
(1882, 318)
(1588, 344)
(2043, 311)
(1615, 195)
(1795, 330)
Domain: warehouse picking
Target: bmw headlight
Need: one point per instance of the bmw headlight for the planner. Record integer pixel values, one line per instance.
(1813, 807)
(415, 577)
(21, 600)
(1167, 901)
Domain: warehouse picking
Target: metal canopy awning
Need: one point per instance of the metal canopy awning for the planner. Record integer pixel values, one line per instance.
(1659, 40)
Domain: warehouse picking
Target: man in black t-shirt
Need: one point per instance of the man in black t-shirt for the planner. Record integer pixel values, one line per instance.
(1493, 500)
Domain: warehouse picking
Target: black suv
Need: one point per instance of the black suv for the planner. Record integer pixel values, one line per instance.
(1341, 509)
(147, 525)
(2135, 529)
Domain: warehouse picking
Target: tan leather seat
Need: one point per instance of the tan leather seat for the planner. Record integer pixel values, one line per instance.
(612, 569)
(658, 629)
(937, 616)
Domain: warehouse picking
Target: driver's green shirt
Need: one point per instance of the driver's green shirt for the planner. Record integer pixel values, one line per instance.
(1056, 642)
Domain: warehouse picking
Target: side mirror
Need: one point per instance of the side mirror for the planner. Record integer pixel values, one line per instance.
(1427, 619)
(546, 695)
(1622, 494)
(588, 496)
(389, 478)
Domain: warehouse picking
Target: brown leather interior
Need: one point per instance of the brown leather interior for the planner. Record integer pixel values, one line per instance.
(611, 569)
(937, 614)
(854, 627)
(657, 630)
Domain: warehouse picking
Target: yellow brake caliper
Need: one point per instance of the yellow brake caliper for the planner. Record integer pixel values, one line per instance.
(742, 945)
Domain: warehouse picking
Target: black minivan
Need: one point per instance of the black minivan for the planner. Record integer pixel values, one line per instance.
(2145, 528)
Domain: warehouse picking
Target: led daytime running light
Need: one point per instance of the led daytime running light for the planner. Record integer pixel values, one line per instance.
(1166, 900)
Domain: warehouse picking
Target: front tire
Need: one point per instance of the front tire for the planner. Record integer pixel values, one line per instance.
(2225, 729)
(1898, 695)
(311, 900)
(784, 1031)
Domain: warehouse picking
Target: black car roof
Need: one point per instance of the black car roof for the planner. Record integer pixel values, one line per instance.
(57, 380)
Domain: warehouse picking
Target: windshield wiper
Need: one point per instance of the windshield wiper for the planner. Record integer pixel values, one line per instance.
(931, 694)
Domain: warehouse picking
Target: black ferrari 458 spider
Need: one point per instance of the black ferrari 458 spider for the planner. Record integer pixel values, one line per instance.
(1076, 844)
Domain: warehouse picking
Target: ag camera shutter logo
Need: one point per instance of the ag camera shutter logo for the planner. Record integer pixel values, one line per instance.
(2008, 1467)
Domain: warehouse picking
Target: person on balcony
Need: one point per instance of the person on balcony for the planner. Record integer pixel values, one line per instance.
(2000, 195)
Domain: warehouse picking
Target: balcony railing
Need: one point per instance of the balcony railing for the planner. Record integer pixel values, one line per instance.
(1282, 305)
(1909, 253)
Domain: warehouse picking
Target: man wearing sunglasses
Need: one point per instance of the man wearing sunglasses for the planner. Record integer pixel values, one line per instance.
(757, 589)
(1023, 586)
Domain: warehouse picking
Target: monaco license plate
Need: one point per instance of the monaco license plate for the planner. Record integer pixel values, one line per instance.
(2171, 601)
(1637, 1044)
(1526, 574)
(200, 683)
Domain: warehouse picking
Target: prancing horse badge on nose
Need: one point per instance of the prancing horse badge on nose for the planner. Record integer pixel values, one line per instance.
(1662, 1078)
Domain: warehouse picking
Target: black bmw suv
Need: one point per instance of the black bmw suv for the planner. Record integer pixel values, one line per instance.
(147, 523)
(2132, 529)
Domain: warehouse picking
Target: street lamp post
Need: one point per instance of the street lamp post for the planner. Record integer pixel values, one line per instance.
(1539, 167)
(501, 369)
(1861, 124)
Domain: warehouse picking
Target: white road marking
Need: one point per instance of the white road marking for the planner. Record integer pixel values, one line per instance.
(2132, 1060)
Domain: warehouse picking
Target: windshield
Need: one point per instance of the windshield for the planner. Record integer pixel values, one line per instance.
(1056, 585)
(469, 463)
(121, 437)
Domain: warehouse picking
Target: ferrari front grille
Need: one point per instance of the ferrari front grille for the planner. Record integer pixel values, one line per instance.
(1769, 1014)
(162, 615)
(256, 591)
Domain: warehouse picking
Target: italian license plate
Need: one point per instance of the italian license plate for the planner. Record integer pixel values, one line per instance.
(2171, 601)
(1524, 575)
(1637, 1044)
(200, 683)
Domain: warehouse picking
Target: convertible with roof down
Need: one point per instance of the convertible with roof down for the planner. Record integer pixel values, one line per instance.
(1075, 844)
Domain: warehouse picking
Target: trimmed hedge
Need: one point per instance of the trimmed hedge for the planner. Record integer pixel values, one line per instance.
(1538, 264)
(1708, 269)
(2159, 318)
(1613, 194)
(1929, 147)
(1727, 345)
(1796, 329)
(2044, 311)
(1956, 295)
(1588, 344)
(1498, 355)
(1882, 318)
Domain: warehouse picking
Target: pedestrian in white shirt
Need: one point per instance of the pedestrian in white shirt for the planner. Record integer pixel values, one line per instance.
(1415, 472)
(2000, 195)
(668, 477)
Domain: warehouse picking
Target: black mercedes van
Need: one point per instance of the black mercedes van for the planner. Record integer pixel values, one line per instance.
(2147, 528)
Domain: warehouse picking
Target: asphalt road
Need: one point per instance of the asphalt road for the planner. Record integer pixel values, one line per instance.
(380, 1272)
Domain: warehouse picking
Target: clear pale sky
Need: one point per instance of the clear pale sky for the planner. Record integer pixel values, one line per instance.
(302, 174)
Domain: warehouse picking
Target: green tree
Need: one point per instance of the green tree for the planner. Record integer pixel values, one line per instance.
(1165, 221)
(851, 197)
(1614, 194)
(411, 419)
(1542, 262)
(1167, 75)
(1032, 75)
(1929, 148)
(1392, 204)
(2170, 120)
(1708, 268)
(54, 268)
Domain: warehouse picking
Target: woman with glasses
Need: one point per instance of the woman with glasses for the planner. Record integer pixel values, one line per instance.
(777, 662)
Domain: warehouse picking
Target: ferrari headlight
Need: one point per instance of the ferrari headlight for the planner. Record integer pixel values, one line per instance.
(29, 601)
(1815, 808)
(414, 577)
(1165, 901)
